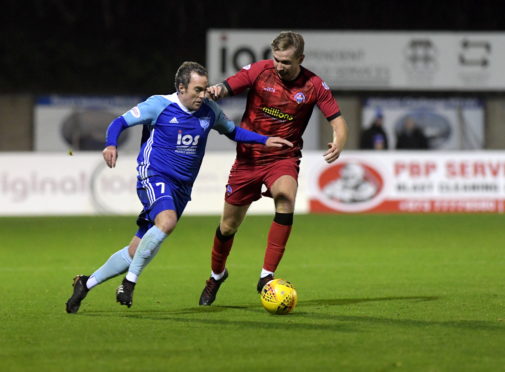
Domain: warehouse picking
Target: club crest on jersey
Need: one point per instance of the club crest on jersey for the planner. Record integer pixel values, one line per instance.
(299, 97)
(204, 122)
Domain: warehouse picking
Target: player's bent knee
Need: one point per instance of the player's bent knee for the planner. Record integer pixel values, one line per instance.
(284, 203)
(228, 229)
(166, 225)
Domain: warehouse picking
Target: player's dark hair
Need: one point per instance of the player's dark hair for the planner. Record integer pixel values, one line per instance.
(288, 39)
(183, 74)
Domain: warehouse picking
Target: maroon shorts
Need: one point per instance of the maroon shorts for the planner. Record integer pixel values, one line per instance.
(245, 181)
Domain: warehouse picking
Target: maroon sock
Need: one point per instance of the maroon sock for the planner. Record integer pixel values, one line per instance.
(220, 251)
(277, 239)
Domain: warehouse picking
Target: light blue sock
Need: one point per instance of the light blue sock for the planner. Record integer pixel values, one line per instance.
(147, 249)
(117, 264)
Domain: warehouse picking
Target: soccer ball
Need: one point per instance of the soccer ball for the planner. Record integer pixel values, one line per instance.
(279, 296)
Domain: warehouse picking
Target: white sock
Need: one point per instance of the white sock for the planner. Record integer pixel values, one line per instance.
(91, 282)
(131, 277)
(217, 276)
(266, 273)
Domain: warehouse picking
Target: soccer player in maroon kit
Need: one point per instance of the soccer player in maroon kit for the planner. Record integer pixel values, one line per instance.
(281, 97)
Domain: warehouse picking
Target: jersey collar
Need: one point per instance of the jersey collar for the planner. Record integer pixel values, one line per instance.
(174, 97)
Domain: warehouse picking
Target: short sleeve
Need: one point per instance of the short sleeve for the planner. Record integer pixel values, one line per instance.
(146, 112)
(325, 100)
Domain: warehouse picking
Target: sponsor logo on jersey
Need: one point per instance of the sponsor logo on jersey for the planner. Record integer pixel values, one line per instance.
(204, 122)
(187, 144)
(299, 97)
(276, 113)
(269, 89)
(174, 120)
(135, 112)
(325, 86)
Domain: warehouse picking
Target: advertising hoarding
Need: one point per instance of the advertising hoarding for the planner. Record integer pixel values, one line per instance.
(408, 181)
(375, 60)
(359, 182)
(452, 123)
(79, 122)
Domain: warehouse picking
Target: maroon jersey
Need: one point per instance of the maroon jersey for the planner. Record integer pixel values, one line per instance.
(278, 108)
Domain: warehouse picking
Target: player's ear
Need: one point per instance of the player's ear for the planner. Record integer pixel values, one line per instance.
(182, 88)
(302, 57)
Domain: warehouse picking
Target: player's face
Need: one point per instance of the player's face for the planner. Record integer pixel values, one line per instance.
(287, 64)
(192, 96)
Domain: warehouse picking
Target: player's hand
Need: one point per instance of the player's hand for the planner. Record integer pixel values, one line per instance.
(332, 153)
(110, 156)
(277, 142)
(216, 92)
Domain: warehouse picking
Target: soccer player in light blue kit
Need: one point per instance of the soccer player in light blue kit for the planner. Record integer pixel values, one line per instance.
(168, 163)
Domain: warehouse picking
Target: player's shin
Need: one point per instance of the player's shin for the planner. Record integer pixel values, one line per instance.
(117, 264)
(220, 251)
(147, 249)
(277, 239)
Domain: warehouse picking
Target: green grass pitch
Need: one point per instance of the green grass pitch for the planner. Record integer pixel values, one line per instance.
(376, 293)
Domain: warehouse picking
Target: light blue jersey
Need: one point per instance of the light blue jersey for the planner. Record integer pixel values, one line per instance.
(177, 140)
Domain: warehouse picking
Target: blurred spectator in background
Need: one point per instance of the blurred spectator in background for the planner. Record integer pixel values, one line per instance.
(374, 138)
(411, 137)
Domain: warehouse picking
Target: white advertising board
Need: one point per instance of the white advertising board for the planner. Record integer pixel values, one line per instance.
(359, 182)
(58, 184)
(375, 60)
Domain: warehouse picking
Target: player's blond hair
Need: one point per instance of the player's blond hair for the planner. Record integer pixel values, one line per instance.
(288, 39)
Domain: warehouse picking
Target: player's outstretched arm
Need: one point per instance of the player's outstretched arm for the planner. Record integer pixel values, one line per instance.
(239, 134)
(335, 147)
(110, 156)
(277, 142)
